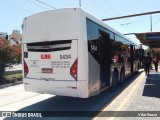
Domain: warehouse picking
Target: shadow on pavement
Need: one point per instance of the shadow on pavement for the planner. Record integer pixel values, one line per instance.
(85, 107)
(152, 86)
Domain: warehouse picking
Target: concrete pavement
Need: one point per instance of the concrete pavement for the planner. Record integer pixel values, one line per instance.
(139, 100)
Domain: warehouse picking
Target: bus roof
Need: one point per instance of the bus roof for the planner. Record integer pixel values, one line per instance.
(87, 15)
(92, 17)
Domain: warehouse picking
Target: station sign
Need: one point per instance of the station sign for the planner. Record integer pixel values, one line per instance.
(153, 36)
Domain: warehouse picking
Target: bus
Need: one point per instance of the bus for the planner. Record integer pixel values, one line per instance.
(69, 52)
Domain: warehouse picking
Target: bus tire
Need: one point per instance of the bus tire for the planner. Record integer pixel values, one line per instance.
(122, 77)
(114, 81)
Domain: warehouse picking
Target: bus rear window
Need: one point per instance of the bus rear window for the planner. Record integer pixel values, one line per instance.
(49, 46)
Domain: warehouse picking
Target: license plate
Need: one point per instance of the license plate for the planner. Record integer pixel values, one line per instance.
(47, 70)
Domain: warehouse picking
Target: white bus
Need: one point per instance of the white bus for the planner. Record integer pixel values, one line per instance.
(69, 52)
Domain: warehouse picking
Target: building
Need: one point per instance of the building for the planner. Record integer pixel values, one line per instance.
(15, 38)
(3, 38)
(3, 34)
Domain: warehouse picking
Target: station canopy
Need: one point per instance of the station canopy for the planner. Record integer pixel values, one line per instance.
(151, 39)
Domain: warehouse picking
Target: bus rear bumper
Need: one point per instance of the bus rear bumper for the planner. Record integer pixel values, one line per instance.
(60, 87)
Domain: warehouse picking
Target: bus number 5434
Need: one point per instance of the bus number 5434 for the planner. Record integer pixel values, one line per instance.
(65, 56)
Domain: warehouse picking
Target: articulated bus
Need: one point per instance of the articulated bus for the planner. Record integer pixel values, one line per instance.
(69, 52)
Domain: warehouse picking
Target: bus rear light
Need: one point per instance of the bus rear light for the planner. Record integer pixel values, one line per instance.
(73, 70)
(26, 70)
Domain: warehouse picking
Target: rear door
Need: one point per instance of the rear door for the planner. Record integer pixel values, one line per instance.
(51, 60)
(132, 59)
(105, 58)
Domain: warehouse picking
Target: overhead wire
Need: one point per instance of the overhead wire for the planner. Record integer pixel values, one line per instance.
(45, 4)
(156, 22)
(99, 5)
(102, 8)
(17, 7)
(123, 24)
(110, 7)
(36, 4)
(144, 19)
(116, 14)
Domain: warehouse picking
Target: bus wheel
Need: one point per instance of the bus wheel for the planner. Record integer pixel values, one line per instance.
(114, 81)
(122, 77)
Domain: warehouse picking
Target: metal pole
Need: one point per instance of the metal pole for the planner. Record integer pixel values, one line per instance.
(134, 15)
(79, 3)
(151, 21)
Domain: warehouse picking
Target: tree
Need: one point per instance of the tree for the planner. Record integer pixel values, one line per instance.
(156, 52)
(9, 55)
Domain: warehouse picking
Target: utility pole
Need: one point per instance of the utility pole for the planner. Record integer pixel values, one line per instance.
(151, 21)
(151, 50)
(79, 3)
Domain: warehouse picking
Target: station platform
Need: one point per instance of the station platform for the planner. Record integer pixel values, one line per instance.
(147, 97)
(140, 100)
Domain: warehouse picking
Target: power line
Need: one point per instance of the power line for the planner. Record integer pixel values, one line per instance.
(100, 6)
(130, 28)
(36, 4)
(116, 14)
(45, 4)
(140, 20)
(17, 7)
(156, 22)
(110, 7)
(144, 19)
(134, 15)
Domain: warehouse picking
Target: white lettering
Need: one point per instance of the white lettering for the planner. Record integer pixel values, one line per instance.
(151, 115)
(34, 115)
(142, 114)
(19, 114)
(94, 48)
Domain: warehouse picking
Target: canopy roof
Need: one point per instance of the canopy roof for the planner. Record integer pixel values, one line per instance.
(151, 39)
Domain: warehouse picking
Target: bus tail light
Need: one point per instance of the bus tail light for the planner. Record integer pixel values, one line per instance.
(25, 69)
(73, 69)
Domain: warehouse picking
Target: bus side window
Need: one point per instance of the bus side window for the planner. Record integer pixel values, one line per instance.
(129, 59)
(120, 58)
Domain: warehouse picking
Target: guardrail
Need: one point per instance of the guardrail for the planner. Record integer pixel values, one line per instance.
(13, 69)
(13, 72)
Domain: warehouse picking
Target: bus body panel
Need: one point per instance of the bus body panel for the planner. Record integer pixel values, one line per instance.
(94, 29)
(51, 87)
(94, 76)
(58, 26)
(54, 65)
(69, 25)
(52, 25)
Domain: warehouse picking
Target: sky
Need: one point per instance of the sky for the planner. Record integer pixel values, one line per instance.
(14, 11)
